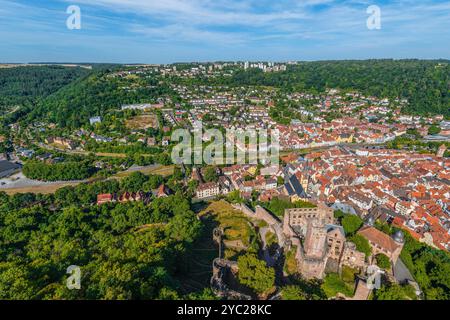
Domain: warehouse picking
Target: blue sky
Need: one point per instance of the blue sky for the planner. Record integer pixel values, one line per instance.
(164, 31)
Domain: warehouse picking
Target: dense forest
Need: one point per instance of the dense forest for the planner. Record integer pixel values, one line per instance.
(125, 251)
(65, 171)
(73, 105)
(24, 85)
(426, 84)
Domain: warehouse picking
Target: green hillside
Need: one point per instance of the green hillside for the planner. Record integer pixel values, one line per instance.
(23, 85)
(73, 105)
(69, 96)
(425, 83)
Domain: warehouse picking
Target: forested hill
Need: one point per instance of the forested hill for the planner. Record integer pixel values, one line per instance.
(69, 96)
(24, 85)
(94, 95)
(425, 83)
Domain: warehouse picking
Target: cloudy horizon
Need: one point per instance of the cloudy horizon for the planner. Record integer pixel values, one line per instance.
(133, 31)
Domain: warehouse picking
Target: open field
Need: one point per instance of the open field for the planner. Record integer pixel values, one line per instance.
(155, 170)
(103, 154)
(86, 153)
(31, 186)
(19, 183)
(43, 189)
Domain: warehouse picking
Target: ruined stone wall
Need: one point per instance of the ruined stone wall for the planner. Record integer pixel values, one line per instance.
(263, 214)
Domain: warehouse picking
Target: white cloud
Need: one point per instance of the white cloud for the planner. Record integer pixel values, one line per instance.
(201, 12)
(246, 26)
(180, 33)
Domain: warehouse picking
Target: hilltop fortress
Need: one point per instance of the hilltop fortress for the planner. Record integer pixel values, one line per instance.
(320, 243)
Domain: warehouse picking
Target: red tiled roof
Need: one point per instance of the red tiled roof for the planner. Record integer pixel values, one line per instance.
(379, 238)
(104, 198)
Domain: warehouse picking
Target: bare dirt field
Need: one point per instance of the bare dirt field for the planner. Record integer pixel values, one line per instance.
(153, 169)
(143, 122)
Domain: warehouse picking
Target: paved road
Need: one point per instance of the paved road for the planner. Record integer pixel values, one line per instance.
(322, 148)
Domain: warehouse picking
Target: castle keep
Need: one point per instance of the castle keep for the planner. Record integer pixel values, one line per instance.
(320, 243)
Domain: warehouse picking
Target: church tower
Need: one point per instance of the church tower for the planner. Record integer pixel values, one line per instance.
(441, 151)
